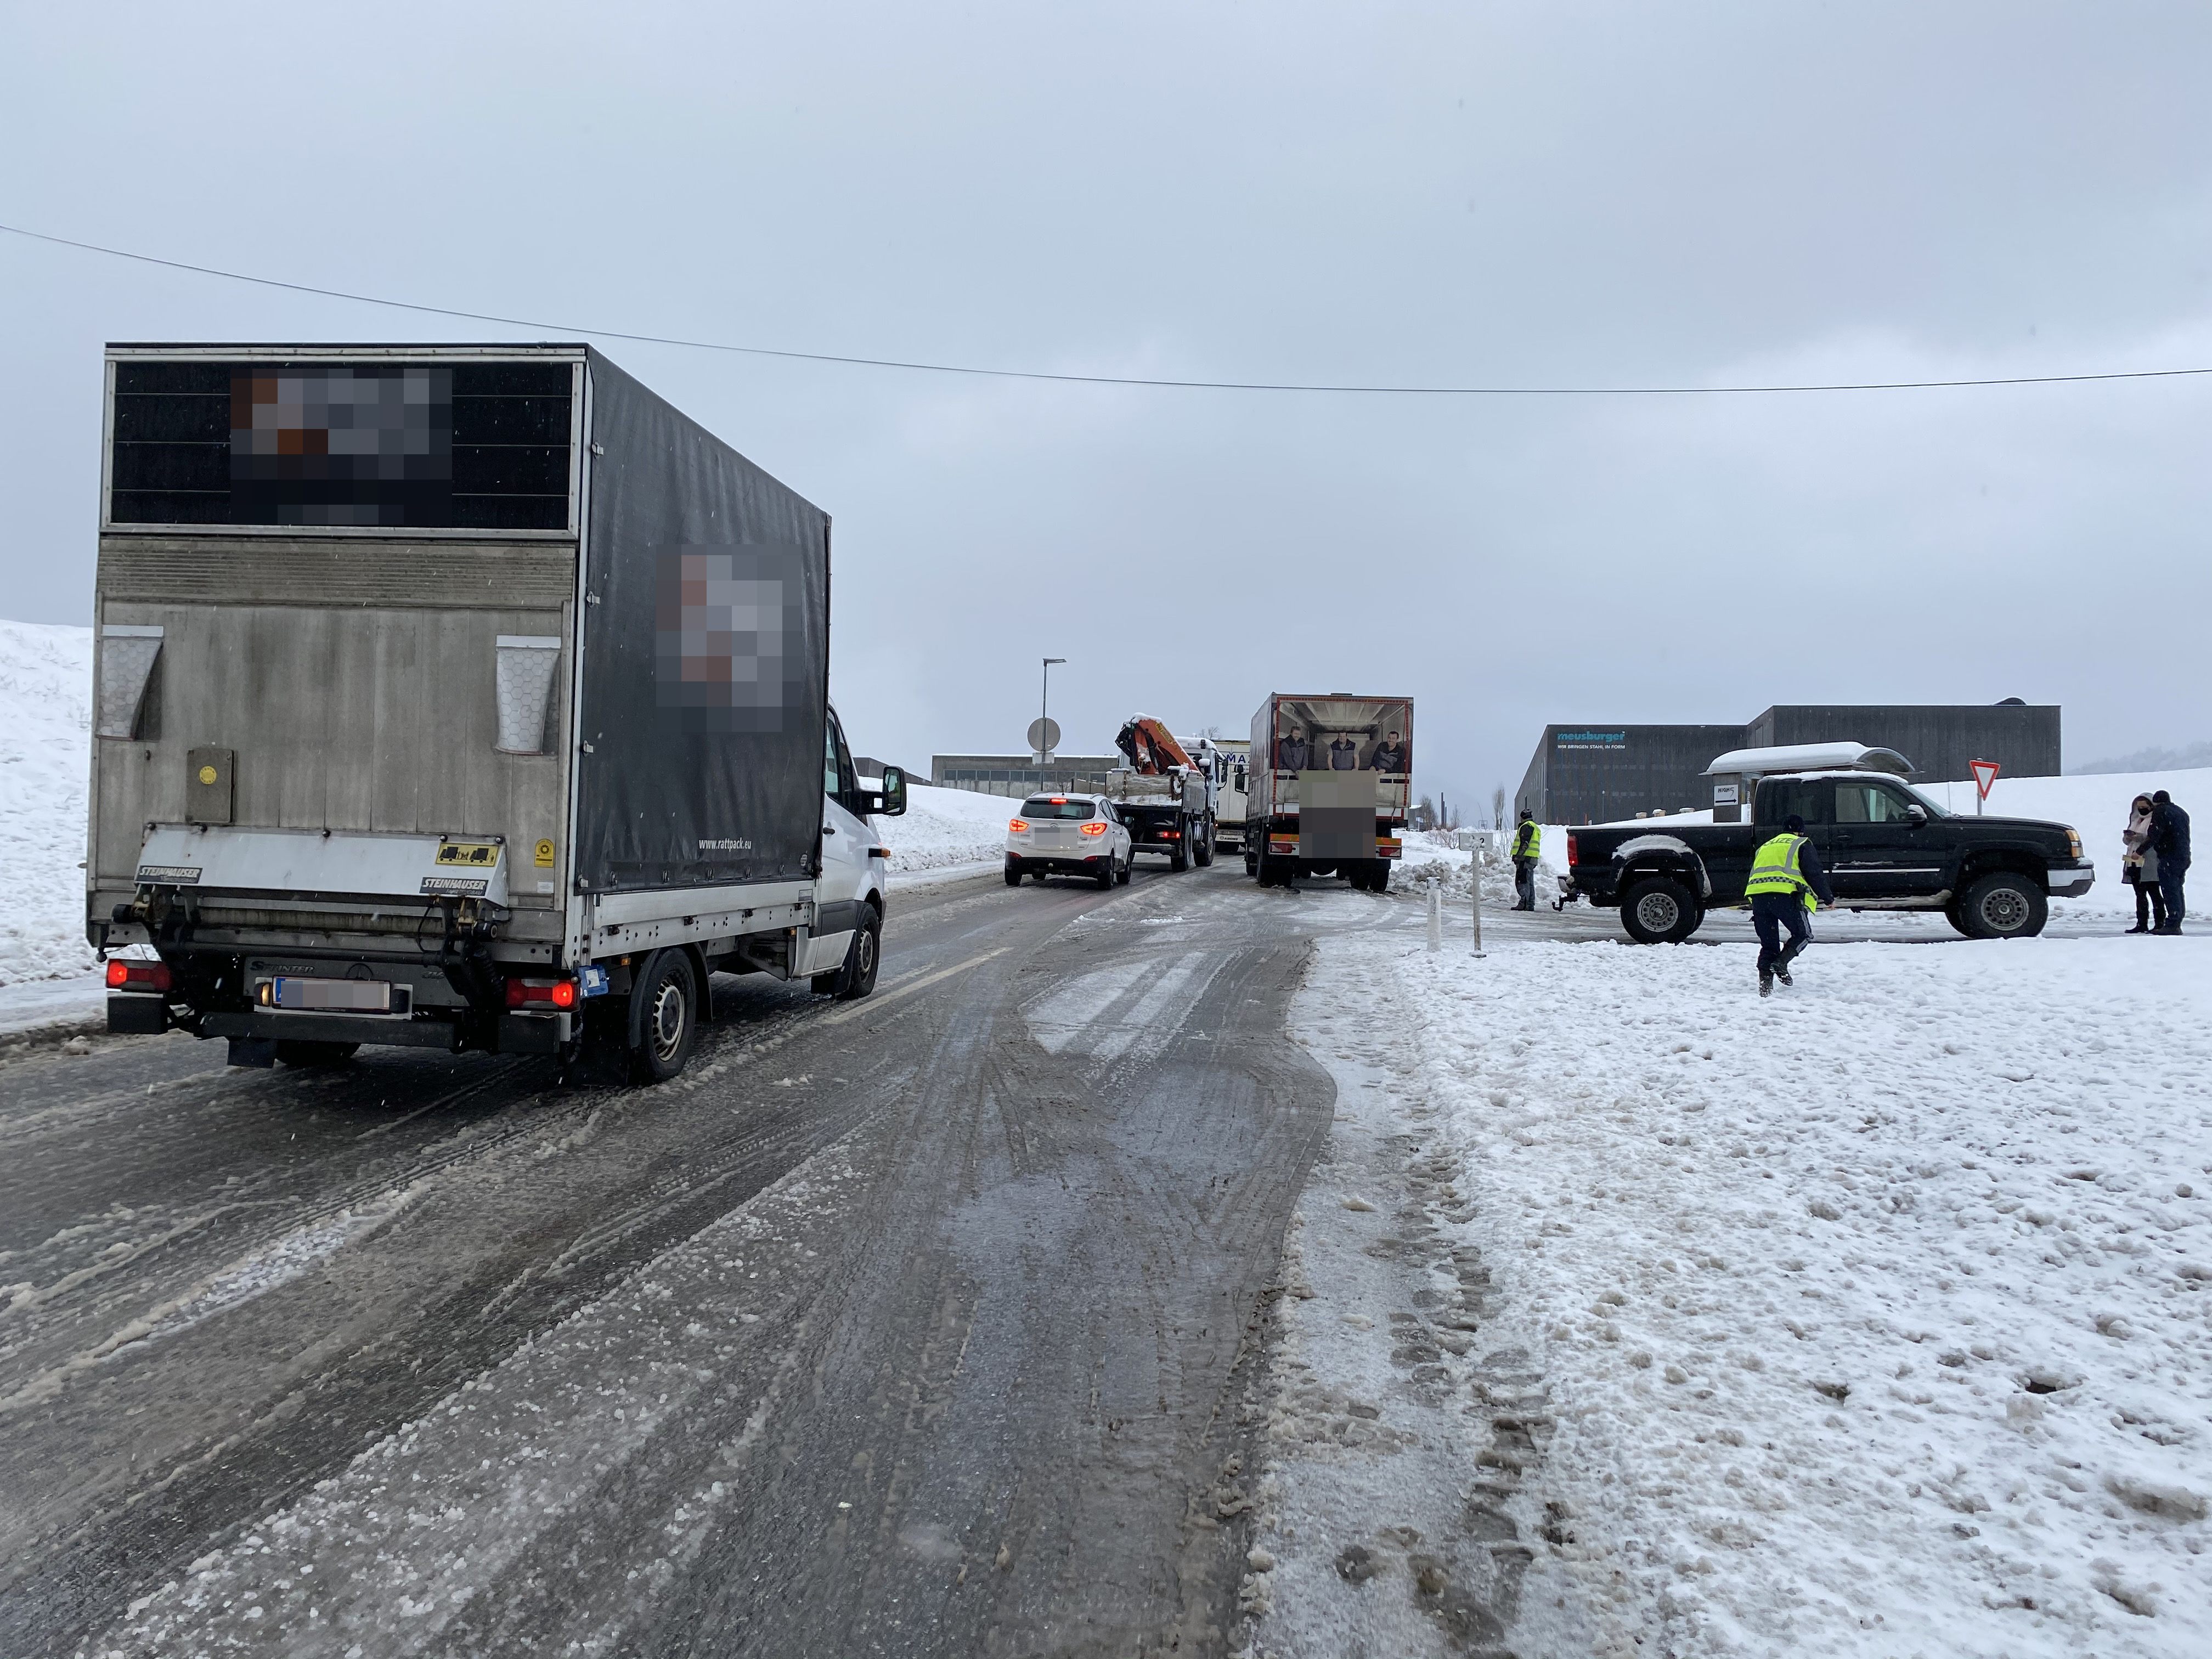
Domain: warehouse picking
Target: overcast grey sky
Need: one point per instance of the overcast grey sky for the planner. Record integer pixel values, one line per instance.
(1464, 193)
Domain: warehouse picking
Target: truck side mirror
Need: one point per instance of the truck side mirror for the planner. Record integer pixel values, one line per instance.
(892, 801)
(1915, 813)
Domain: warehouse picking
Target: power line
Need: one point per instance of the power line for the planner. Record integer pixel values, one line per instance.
(1105, 379)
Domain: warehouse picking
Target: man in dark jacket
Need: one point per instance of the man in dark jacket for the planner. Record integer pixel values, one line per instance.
(1344, 756)
(1786, 877)
(1291, 754)
(2169, 838)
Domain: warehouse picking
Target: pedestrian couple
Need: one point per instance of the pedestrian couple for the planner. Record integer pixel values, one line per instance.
(2154, 862)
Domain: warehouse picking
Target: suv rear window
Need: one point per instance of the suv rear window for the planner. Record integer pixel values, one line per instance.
(1045, 807)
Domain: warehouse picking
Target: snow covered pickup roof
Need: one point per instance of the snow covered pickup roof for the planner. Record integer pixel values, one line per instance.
(1809, 757)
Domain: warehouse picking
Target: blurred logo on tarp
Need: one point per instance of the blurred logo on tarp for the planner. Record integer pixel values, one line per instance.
(340, 444)
(729, 646)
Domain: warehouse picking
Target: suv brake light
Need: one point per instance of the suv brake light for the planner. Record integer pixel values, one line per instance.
(1019, 826)
(1094, 829)
(131, 974)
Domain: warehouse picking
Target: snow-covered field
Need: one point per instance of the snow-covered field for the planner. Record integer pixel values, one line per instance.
(946, 831)
(1873, 1319)
(45, 746)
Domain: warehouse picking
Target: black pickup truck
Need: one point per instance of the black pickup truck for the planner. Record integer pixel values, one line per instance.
(1885, 847)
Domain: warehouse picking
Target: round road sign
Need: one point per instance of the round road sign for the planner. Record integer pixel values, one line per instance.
(1044, 732)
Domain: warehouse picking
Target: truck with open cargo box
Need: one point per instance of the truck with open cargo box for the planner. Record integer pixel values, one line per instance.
(1329, 779)
(469, 698)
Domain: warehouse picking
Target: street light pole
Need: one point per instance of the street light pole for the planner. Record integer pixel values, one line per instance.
(1044, 702)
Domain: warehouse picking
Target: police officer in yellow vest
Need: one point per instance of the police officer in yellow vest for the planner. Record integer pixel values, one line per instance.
(1527, 848)
(1786, 877)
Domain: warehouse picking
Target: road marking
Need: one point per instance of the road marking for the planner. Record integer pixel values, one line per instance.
(869, 1005)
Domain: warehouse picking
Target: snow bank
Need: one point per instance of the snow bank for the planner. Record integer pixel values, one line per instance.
(45, 743)
(1874, 1316)
(945, 827)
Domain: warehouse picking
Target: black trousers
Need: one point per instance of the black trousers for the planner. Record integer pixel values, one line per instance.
(1524, 883)
(2150, 904)
(2169, 878)
(1770, 914)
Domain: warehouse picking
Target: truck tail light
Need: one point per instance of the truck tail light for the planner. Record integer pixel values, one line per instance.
(1171, 835)
(1019, 826)
(555, 994)
(1094, 829)
(128, 973)
(1573, 855)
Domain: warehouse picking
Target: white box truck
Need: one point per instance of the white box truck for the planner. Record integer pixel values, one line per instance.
(457, 696)
(1330, 777)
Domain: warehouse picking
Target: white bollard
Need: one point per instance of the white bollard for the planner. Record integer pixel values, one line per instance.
(1478, 899)
(1436, 914)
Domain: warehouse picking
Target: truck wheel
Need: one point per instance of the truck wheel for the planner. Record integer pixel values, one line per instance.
(1378, 878)
(1202, 848)
(293, 1051)
(1179, 856)
(1659, 910)
(1251, 863)
(663, 1018)
(863, 956)
(2004, 905)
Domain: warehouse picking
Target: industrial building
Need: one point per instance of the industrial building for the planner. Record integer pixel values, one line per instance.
(1595, 773)
(1020, 775)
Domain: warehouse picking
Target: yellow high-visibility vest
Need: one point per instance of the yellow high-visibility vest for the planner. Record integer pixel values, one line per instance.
(1528, 841)
(1774, 869)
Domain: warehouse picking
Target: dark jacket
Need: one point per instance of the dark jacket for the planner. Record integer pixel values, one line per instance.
(1816, 877)
(1388, 758)
(1291, 754)
(2169, 835)
(1344, 756)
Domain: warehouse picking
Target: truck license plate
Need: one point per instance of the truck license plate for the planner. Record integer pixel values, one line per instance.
(347, 996)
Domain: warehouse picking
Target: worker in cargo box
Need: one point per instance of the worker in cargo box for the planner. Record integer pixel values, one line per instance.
(1343, 754)
(1786, 877)
(1528, 852)
(1292, 753)
(1389, 755)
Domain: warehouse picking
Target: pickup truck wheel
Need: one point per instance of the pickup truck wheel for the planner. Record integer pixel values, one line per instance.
(1659, 910)
(664, 1017)
(295, 1052)
(2004, 905)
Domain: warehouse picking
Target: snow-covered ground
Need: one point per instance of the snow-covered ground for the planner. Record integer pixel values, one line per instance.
(1873, 1319)
(46, 747)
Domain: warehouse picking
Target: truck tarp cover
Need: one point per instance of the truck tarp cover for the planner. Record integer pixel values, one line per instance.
(706, 660)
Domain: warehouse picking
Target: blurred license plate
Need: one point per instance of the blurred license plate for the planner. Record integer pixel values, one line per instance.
(350, 996)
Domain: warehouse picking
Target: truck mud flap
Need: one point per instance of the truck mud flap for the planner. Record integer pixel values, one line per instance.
(533, 1034)
(137, 1015)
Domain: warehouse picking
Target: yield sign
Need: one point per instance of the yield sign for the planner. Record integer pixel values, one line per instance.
(1986, 773)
